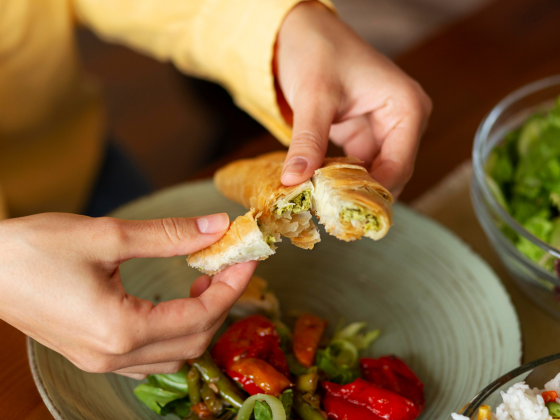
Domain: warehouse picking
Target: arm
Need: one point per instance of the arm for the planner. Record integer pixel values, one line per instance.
(336, 85)
(230, 42)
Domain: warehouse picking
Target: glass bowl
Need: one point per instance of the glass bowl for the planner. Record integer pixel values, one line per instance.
(535, 374)
(539, 284)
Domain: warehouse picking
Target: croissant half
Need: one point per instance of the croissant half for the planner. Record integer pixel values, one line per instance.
(349, 202)
(244, 241)
(255, 183)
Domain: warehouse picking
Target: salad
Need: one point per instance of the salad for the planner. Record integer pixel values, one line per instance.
(261, 369)
(523, 173)
(520, 402)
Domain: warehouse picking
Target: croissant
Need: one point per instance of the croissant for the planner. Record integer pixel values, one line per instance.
(244, 241)
(342, 194)
(349, 202)
(255, 183)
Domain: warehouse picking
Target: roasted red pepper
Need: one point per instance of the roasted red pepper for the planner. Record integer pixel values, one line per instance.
(252, 337)
(258, 377)
(393, 374)
(378, 403)
(338, 408)
(247, 383)
(307, 335)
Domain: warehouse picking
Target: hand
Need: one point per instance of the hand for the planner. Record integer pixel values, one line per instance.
(337, 85)
(60, 284)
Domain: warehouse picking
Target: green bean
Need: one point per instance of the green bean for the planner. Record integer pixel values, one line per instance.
(193, 381)
(305, 410)
(307, 382)
(212, 374)
(210, 399)
(553, 408)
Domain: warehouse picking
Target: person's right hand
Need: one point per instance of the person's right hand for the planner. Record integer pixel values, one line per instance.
(60, 284)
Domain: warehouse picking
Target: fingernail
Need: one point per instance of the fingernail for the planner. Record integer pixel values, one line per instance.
(213, 224)
(296, 166)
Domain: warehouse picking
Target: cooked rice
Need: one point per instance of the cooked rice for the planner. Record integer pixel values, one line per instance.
(522, 403)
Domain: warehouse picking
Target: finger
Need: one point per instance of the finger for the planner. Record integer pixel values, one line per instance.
(153, 369)
(200, 285)
(169, 237)
(144, 323)
(394, 165)
(173, 350)
(313, 116)
(356, 137)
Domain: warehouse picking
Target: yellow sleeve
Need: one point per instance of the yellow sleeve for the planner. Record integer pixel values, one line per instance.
(227, 41)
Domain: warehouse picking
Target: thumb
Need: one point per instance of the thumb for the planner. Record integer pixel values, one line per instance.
(312, 122)
(169, 237)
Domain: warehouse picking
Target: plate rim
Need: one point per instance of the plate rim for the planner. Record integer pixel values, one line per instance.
(30, 343)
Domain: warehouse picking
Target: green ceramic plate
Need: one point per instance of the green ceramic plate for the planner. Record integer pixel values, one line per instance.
(439, 306)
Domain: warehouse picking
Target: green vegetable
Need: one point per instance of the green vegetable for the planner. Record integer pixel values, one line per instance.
(305, 410)
(497, 192)
(357, 335)
(193, 381)
(542, 229)
(262, 411)
(330, 361)
(369, 220)
(296, 368)
(302, 202)
(340, 359)
(285, 336)
(553, 409)
(287, 400)
(174, 382)
(156, 398)
(210, 399)
(276, 408)
(212, 374)
(307, 382)
(181, 408)
(530, 133)
(523, 174)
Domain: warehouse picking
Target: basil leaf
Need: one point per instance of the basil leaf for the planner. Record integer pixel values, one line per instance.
(262, 411)
(155, 398)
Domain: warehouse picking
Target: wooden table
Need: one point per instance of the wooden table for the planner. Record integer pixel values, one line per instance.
(465, 68)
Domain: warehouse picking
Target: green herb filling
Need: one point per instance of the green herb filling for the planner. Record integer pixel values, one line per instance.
(360, 214)
(301, 202)
(270, 239)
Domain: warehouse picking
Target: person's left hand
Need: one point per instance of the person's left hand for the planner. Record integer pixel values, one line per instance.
(339, 86)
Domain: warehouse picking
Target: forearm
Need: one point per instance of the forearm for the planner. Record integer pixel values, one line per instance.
(230, 42)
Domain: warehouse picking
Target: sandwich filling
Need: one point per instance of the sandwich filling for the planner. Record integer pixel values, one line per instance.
(301, 202)
(360, 217)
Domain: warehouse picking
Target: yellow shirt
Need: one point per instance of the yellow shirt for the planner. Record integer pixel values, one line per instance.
(51, 114)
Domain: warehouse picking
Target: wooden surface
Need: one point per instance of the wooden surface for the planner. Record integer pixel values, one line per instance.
(466, 69)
